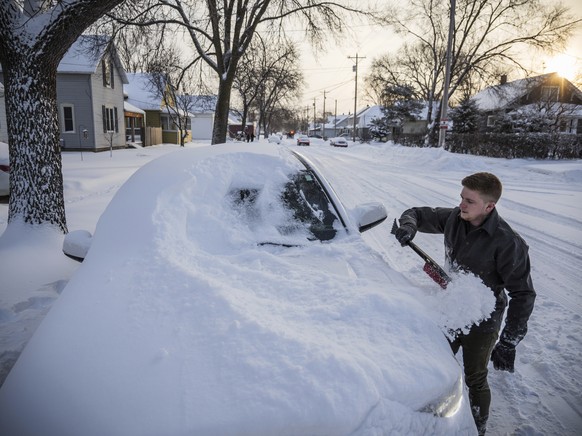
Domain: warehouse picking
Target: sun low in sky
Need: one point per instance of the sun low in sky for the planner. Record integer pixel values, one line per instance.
(564, 65)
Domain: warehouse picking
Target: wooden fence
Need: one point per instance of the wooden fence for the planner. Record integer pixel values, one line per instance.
(153, 136)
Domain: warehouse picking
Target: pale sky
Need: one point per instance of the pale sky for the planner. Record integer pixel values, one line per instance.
(331, 74)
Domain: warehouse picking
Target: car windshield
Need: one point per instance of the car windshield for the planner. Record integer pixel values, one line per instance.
(308, 212)
(310, 205)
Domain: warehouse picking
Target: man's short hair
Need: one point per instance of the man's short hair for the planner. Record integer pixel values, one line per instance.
(486, 184)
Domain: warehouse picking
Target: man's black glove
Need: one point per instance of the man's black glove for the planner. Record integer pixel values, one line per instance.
(405, 234)
(503, 356)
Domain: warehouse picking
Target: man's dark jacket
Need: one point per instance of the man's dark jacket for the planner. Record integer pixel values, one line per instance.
(492, 251)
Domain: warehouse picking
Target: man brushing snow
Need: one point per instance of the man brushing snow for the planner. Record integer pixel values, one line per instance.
(478, 240)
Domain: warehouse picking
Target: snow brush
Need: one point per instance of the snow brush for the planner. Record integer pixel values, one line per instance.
(433, 269)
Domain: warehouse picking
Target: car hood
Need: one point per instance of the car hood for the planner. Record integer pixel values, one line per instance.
(180, 322)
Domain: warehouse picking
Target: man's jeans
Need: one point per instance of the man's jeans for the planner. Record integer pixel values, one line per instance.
(477, 347)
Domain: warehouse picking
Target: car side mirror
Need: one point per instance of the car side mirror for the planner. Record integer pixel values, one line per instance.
(76, 244)
(368, 215)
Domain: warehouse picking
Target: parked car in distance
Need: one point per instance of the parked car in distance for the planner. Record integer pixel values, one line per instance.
(274, 139)
(303, 140)
(338, 141)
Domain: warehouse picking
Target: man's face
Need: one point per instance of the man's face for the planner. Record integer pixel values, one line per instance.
(473, 208)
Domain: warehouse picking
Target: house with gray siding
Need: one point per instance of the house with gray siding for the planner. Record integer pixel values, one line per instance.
(90, 81)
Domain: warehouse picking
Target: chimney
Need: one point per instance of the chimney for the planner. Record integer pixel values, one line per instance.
(503, 79)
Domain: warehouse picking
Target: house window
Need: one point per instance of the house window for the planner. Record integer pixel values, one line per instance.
(491, 120)
(568, 125)
(68, 118)
(550, 93)
(109, 119)
(169, 125)
(107, 68)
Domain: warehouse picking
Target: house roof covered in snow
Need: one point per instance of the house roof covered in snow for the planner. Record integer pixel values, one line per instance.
(84, 56)
(140, 92)
(86, 53)
(371, 112)
(128, 107)
(333, 121)
(366, 115)
(202, 103)
(505, 95)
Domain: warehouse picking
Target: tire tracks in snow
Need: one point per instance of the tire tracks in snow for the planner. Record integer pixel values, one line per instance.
(554, 239)
(543, 395)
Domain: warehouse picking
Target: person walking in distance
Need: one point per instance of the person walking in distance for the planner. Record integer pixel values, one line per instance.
(479, 241)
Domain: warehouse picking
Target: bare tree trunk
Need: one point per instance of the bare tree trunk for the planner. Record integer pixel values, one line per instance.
(222, 110)
(33, 134)
(223, 36)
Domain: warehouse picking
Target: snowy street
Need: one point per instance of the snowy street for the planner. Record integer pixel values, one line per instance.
(542, 200)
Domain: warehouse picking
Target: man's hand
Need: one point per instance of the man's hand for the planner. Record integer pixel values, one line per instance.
(405, 234)
(503, 356)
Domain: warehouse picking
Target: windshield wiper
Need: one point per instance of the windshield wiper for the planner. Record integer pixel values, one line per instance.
(279, 244)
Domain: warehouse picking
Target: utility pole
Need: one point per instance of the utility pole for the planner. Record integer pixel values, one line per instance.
(313, 118)
(355, 69)
(445, 100)
(324, 119)
(335, 120)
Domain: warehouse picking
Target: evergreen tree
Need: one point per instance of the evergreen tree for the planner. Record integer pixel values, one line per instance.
(400, 105)
(465, 117)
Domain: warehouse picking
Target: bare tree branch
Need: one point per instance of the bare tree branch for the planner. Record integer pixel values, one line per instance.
(221, 31)
(488, 37)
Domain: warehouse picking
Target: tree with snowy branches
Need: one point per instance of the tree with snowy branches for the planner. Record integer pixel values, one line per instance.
(34, 37)
(399, 105)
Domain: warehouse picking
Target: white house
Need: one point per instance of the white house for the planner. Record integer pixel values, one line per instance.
(364, 118)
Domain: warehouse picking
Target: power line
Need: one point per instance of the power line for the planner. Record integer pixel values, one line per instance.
(331, 87)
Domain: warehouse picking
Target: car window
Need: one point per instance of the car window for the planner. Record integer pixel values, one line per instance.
(307, 208)
(310, 206)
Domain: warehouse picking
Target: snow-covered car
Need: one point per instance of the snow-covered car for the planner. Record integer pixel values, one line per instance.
(227, 290)
(303, 140)
(338, 141)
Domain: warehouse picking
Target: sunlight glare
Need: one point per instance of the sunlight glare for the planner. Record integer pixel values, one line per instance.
(562, 64)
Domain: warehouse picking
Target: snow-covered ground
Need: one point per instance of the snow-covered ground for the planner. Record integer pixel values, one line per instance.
(542, 200)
